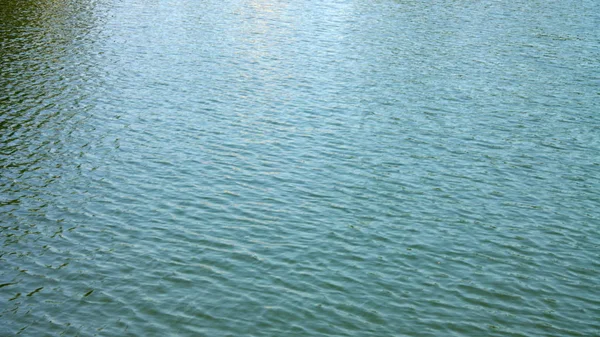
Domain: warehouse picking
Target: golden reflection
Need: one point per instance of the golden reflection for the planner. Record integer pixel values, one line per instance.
(263, 24)
(266, 29)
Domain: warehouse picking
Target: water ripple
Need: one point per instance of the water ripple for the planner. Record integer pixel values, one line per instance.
(264, 168)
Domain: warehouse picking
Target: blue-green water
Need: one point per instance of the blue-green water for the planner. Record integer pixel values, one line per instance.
(300, 168)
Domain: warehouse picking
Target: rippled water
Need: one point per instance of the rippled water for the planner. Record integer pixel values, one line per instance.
(300, 168)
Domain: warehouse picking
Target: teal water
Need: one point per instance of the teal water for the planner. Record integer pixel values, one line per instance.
(299, 168)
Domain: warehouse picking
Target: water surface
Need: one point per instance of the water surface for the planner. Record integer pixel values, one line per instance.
(299, 168)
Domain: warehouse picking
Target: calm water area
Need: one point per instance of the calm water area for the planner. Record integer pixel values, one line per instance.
(300, 168)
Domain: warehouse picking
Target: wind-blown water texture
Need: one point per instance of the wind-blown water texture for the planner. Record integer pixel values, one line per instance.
(299, 168)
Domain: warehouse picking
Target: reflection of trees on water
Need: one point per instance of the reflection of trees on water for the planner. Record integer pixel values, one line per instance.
(43, 42)
(47, 78)
(46, 55)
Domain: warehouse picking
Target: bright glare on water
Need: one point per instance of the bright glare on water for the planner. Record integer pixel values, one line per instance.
(300, 168)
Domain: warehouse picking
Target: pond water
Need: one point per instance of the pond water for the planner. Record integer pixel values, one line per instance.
(299, 168)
